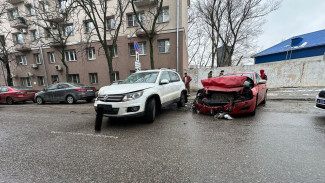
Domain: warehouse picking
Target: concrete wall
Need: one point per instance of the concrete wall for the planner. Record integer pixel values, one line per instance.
(306, 72)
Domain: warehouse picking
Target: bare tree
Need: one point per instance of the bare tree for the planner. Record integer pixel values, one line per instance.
(58, 25)
(100, 15)
(232, 23)
(5, 49)
(148, 23)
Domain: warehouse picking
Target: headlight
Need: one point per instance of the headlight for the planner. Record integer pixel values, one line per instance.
(132, 96)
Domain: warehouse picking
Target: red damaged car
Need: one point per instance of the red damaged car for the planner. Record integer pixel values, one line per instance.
(234, 93)
(12, 94)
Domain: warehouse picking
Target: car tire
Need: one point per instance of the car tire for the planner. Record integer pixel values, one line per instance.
(265, 97)
(9, 101)
(150, 112)
(70, 99)
(39, 100)
(182, 100)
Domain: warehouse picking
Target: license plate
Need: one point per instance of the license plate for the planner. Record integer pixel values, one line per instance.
(321, 101)
(105, 107)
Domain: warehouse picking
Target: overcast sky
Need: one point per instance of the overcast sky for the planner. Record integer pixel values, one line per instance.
(294, 17)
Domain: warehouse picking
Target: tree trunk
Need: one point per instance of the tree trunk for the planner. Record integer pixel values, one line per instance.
(213, 49)
(152, 63)
(9, 79)
(109, 58)
(66, 67)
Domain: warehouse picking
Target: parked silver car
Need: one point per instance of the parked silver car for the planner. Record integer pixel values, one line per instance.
(65, 92)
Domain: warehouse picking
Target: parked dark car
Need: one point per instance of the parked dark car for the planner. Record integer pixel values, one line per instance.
(12, 94)
(66, 92)
(320, 100)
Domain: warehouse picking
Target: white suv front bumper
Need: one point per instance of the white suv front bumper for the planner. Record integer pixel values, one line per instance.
(120, 109)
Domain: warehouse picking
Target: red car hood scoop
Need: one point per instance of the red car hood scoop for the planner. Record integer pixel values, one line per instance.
(224, 83)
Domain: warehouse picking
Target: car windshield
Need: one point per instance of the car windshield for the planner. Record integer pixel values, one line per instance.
(20, 88)
(244, 74)
(141, 77)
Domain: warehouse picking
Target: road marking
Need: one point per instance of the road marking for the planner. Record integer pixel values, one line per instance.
(85, 134)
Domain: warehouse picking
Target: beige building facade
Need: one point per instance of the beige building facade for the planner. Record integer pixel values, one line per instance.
(37, 63)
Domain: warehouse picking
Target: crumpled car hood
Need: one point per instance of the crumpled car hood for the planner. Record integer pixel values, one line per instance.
(224, 83)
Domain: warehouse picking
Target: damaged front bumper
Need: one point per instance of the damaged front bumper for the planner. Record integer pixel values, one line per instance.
(213, 102)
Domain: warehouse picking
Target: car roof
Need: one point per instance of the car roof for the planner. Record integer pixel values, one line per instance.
(156, 70)
(241, 73)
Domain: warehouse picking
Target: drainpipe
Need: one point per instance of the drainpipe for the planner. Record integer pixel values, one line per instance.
(177, 37)
(40, 48)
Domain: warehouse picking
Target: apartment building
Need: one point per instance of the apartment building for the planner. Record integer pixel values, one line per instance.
(36, 61)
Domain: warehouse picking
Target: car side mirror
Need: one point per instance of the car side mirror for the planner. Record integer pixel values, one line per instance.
(164, 81)
(262, 81)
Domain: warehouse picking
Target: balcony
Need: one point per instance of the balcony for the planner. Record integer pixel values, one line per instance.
(15, 1)
(142, 3)
(54, 15)
(142, 33)
(23, 47)
(53, 42)
(19, 23)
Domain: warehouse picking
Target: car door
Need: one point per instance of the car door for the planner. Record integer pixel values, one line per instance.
(261, 88)
(165, 89)
(61, 92)
(3, 94)
(175, 84)
(48, 95)
(1, 97)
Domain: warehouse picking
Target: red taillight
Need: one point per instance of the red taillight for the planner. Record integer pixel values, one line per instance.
(81, 89)
(94, 89)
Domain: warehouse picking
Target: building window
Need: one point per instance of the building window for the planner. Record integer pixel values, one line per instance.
(93, 78)
(51, 57)
(163, 46)
(40, 80)
(26, 82)
(142, 48)
(68, 30)
(91, 54)
(110, 23)
(47, 33)
(73, 78)
(164, 16)
(64, 4)
(29, 10)
(70, 55)
(37, 58)
(22, 60)
(18, 38)
(33, 35)
(115, 51)
(44, 6)
(116, 75)
(132, 19)
(89, 27)
(13, 14)
(2, 41)
(55, 79)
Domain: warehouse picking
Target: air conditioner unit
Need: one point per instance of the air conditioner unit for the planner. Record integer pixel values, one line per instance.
(58, 67)
(29, 74)
(34, 66)
(24, 31)
(13, 75)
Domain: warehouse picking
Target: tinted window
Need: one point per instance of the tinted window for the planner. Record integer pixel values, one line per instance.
(21, 88)
(164, 75)
(173, 76)
(4, 89)
(53, 87)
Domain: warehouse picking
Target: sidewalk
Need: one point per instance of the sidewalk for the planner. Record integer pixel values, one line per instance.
(303, 94)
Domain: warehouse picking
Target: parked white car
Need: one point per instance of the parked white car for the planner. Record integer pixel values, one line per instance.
(320, 100)
(141, 94)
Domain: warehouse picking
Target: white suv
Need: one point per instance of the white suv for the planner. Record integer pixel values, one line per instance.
(141, 94)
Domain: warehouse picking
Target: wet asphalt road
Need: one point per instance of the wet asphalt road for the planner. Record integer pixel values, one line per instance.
(284, 142)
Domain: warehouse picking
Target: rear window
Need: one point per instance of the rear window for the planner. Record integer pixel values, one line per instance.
(20, 88)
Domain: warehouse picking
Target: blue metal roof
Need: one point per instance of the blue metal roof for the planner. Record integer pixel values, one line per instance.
(297, 42)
